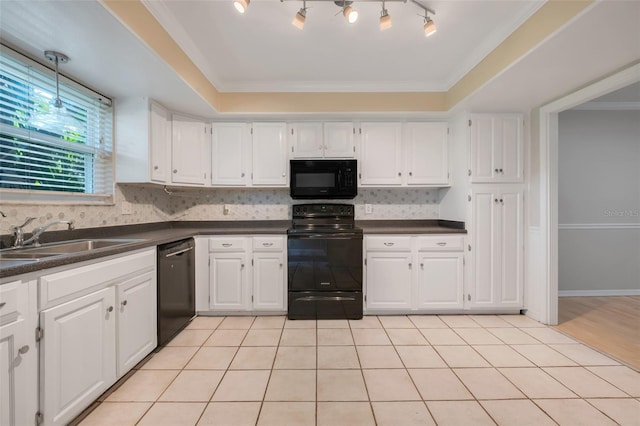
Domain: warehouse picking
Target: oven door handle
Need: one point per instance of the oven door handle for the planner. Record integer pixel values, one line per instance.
(333, 236)
(324, 298)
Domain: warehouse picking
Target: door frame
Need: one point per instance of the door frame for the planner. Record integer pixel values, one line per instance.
(548, 127)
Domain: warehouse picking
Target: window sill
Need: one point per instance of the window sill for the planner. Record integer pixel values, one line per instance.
(24, 197)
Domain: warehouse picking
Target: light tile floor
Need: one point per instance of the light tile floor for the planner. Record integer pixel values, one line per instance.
(388, 370)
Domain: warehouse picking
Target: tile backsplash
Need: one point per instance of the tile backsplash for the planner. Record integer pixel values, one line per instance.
(153, 204)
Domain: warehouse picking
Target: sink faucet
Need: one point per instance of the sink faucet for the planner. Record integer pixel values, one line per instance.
(18, 232)
(40, 230)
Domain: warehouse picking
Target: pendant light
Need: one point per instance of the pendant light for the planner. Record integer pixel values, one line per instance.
(349, 13)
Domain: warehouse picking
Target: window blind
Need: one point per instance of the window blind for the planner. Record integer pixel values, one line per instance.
(44, 148)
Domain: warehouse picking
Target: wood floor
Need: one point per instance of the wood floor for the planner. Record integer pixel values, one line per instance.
(610, 324)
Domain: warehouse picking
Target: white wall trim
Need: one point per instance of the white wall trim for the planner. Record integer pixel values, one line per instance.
(595, 293)
(608, 106)
(549, 176)
(599, 226)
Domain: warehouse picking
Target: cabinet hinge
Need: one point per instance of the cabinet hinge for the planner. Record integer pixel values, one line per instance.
(365, 297)
(464, 261)
(252, 299)
(360, 175)
(360, 130)
(469, 247)
(365, 261)
(354, 130)
(447, 130)
(251, 262)
(39, 334)
(252, 130)
(39, 418)
(469, 197)
(469, 297)
(209, 262)
(291, 149)
(354, 149)
(292, 130)
(469, 172)
(469, 123)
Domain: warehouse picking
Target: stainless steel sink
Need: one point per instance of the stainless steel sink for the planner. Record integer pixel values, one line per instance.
(62, 248)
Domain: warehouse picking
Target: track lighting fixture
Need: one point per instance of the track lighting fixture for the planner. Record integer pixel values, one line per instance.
(385, 19)
(351, 14)
(429, 27)
(298, 20)
(241, 5)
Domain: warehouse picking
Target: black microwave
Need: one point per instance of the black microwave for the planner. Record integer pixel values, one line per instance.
(323, 179)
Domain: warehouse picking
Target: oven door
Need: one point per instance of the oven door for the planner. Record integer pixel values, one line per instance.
(325, 305)
(325, 262)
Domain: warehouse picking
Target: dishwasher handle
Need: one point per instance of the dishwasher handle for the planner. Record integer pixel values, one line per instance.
(179, 252)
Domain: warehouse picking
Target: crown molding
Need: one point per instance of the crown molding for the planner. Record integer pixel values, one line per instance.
(608, 106)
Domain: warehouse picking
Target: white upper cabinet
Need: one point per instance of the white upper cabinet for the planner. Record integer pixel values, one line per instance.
(496, 148)
(339, 140)
(269, 148)
(306, 140)
(322, 140)
(189, 151)
(231, 154)
(143, 139)
(426, 151)
(380, 154)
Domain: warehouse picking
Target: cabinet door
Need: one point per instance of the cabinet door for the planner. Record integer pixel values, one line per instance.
(189, 152)
(18, 356)
(228, 279)
(485, 282)
(496, 148)
(137, 313)
(389, 280)
(268, 281)
(440, 279)
(77, 355)
(380, 154)
(269, 154)
(427, 154)
(339, 140)
(511, 248)
(159, 143)
(306, 140)
(230, 154)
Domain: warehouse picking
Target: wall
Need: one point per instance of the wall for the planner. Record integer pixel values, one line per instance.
(599, 202)
(153, 204)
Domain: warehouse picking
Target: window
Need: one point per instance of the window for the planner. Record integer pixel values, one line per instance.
(49, 153)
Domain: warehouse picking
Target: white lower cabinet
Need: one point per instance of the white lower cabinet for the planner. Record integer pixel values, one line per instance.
(18, 353)
(97, 322)
(414, 273)
(77, 355)
(389, 281)
(247, 273)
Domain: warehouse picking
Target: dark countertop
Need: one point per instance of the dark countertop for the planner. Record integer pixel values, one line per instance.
(153, 234)
(434, 226)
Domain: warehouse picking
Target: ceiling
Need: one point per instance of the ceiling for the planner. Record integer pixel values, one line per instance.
(261, 51)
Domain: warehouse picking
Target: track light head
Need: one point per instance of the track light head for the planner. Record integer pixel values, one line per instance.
(241, 5)
(298, 20)
(350, 14)
(429, 27)
(385, 20)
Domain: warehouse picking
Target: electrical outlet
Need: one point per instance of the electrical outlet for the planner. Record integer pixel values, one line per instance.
(126, 207)
(368, 208)
(226, 209)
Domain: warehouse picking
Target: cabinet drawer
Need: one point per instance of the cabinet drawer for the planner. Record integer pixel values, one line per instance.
(390, 243)
(268, 243)
(228, 244)
(441, 243)
(9, 299)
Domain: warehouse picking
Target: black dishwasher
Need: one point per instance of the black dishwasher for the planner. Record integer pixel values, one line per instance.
(176, 288)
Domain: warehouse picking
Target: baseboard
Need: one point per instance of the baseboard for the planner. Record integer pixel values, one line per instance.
(575, 293)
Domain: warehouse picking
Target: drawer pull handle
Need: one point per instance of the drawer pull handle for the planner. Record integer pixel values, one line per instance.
(442, 244)
(325, 283)
(226, 244)
(110, 309)
(23, 350)
(281, 265)
(124, 303)
(422, 265)
(2, 304)
(267, 244)
(389, 244)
